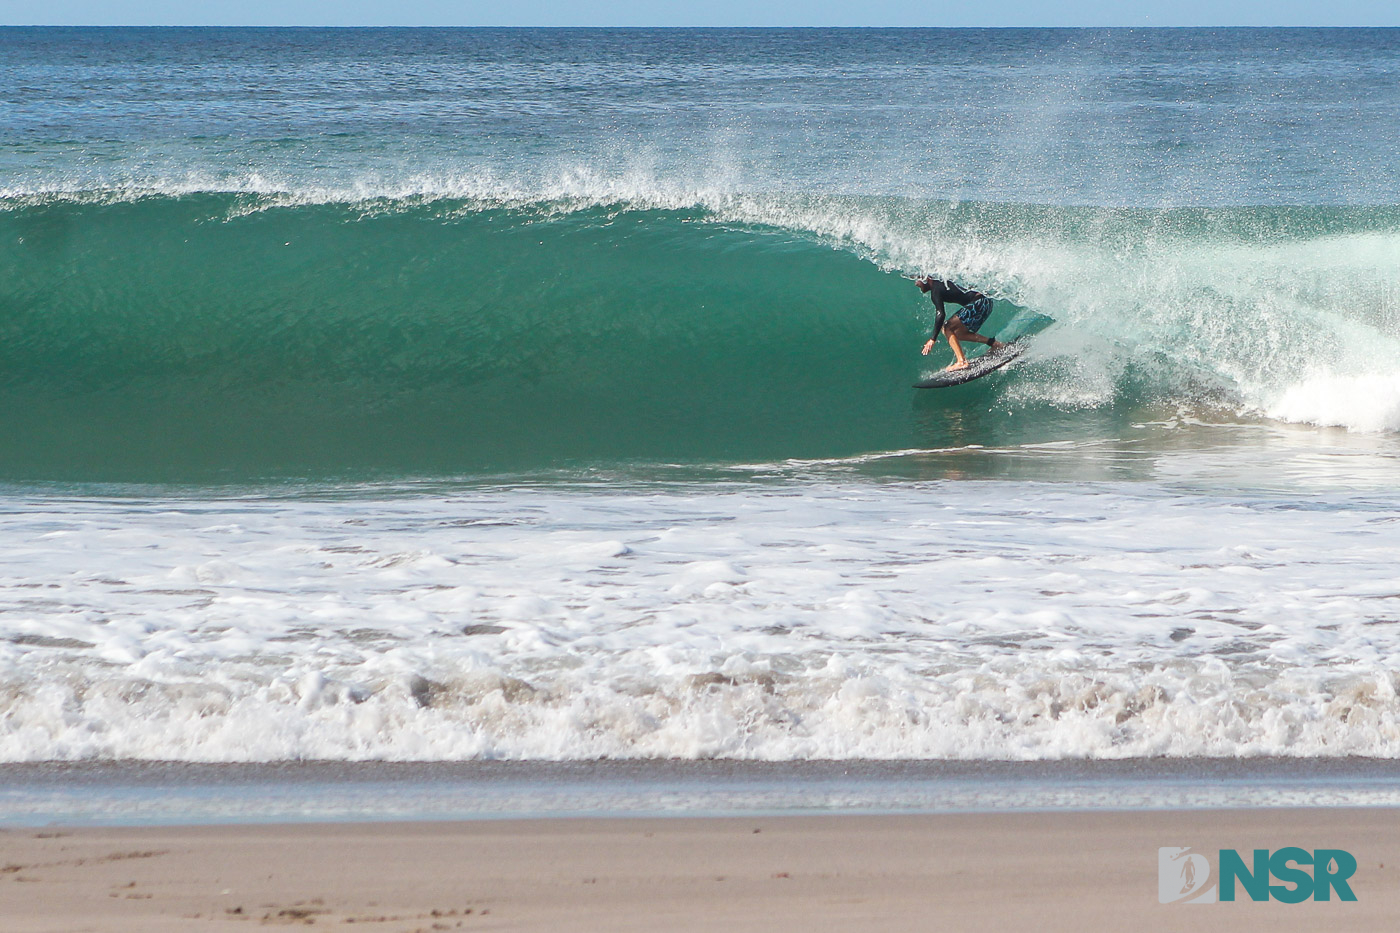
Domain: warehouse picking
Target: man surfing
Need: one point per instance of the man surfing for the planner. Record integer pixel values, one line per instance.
(976, 307)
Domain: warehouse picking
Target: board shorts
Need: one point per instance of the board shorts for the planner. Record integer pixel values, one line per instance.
(975, 315)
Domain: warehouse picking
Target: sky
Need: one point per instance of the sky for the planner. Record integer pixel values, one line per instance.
(701, 13)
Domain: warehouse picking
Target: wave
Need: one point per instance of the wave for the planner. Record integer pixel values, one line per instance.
(164, 331)
(618, 707)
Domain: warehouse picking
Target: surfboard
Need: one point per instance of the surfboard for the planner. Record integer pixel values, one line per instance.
(976, 368)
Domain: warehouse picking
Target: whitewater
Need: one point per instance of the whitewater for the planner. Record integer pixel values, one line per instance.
(546, 394)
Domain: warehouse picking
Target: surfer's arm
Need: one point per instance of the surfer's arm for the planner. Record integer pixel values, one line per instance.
(937, 326)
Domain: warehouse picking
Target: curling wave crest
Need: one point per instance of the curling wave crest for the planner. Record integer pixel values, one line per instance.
(387, 309)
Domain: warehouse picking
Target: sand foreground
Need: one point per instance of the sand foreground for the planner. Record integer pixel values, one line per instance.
(1012, 871)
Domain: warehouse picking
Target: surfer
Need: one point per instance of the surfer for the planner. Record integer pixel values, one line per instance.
(963, 325)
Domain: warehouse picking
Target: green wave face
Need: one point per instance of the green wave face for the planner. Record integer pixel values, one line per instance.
(221, 337)
(167, 338)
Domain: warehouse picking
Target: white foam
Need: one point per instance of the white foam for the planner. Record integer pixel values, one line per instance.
(826, 620)
(1360, 402)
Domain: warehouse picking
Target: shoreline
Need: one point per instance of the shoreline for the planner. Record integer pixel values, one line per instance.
(1048, 871)
(133, 793)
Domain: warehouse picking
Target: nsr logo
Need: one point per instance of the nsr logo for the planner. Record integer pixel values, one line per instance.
(1182, 875)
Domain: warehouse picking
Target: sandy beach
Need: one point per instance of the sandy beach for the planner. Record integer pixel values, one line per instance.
(1043, 871)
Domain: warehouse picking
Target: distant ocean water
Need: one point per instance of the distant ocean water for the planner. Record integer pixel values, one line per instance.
(449, 394)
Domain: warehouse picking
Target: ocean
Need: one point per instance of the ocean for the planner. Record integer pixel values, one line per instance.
(461, 395)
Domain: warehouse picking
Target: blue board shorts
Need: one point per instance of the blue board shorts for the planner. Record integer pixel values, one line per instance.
(975, 315)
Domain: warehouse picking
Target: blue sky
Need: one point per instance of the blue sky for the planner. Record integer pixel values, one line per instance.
(702, 12)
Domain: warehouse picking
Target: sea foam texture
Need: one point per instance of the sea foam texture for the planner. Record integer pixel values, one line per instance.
(767, 621)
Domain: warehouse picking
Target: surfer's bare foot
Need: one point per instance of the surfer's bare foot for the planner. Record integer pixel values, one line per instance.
(995, 345)
(952, 366)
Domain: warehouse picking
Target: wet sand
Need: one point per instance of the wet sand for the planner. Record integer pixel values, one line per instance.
(1035, 871)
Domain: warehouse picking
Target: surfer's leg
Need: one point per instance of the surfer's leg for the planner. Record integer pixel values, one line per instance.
(974, 316)
(958, 329)
(959, 358)
(956, 332)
